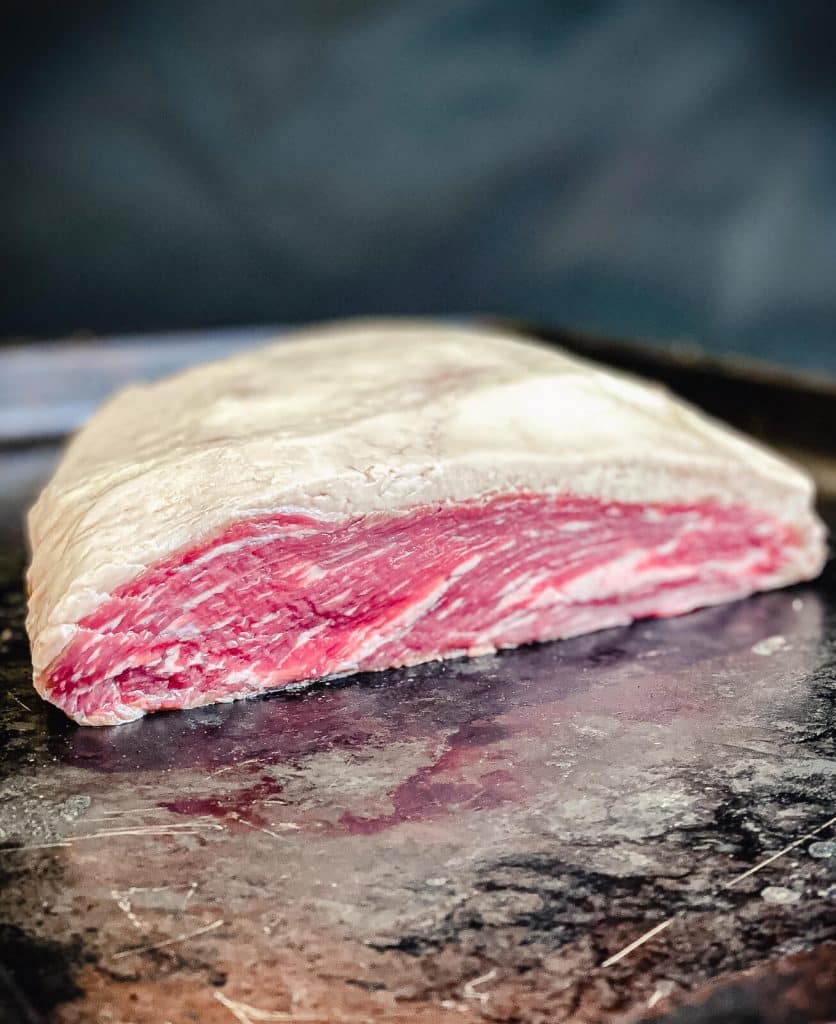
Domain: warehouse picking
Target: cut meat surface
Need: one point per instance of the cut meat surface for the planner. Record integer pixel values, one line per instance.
(452, 542)
(279, 599)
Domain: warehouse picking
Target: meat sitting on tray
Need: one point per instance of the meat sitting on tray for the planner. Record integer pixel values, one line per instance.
(378, 494)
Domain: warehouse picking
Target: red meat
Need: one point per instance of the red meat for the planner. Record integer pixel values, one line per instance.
(281, 599)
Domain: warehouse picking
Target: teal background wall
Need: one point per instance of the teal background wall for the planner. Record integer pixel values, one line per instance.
(647, 167)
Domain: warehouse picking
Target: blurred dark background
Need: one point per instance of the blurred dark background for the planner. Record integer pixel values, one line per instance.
(662, 168)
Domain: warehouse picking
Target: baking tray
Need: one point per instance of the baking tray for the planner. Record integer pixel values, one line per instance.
(615, 824)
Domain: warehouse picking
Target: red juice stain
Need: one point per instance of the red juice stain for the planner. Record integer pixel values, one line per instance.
(236, 805)
(426, 797)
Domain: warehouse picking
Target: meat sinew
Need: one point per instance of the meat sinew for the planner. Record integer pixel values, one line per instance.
(378, 494)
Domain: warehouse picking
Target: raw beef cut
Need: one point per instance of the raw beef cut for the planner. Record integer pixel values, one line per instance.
(376, 494)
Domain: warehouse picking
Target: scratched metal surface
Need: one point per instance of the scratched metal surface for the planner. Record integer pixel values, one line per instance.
(459, 843)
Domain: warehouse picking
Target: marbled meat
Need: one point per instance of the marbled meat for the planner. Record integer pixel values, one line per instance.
(382, 494)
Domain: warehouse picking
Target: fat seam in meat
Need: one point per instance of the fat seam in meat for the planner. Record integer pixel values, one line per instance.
(381, 493)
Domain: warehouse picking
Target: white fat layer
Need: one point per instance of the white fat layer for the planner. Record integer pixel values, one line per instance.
(306, 636)
(205, 595)
(312, 574)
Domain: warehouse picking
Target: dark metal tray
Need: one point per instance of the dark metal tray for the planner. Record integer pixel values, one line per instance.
(483, 840)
